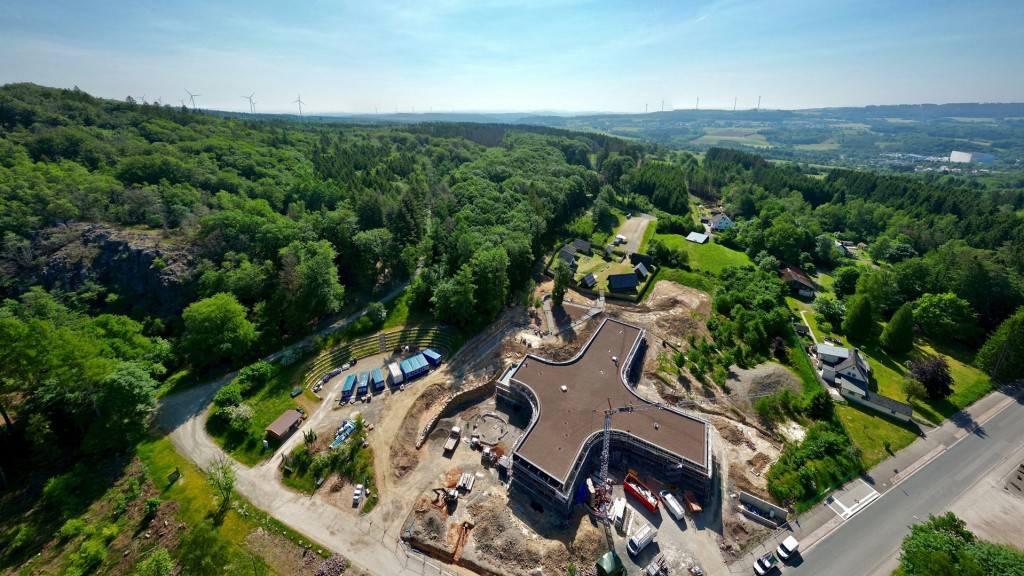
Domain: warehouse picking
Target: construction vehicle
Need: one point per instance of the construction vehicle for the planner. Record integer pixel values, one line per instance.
(605, 481)
(448, 496)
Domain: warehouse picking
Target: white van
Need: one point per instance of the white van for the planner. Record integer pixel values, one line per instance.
(788, 548)
(672, 504)
(640, 539)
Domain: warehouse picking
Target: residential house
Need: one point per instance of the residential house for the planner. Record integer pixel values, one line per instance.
(644, 259)
(719, 221)
(590, 281)
(641, 271)
(622, 282)
(848, 370)
(797, 281)
(568, 255)
(581, 246)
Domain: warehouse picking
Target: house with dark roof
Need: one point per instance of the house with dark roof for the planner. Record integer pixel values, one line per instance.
(644, 259)
(590, 281)
(797, 281)
(877, 402)
(719, 221)
(801, 329)
(581, 246)
(622, 282)
(641, 271)
(568, 255)
(609, 252)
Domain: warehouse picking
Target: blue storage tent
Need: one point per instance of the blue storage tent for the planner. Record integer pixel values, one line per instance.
(414, 367)
(378, 379)
(364, 383)
(349, 387)
(432, 357)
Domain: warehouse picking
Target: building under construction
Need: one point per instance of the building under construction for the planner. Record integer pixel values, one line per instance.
(568, 400)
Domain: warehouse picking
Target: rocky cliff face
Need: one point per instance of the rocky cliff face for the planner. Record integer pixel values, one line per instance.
(140, 265)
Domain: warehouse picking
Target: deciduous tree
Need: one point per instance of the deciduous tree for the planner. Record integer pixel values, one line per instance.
(933, 373)
(216, 329)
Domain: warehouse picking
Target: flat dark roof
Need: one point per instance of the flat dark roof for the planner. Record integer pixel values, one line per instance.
(568, 419)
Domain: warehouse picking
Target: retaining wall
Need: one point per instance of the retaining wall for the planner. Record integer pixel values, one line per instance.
(781, 515)
(478, 392)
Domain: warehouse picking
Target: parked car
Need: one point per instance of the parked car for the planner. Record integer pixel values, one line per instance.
(358, 495)
(789, 548)
(765, 564)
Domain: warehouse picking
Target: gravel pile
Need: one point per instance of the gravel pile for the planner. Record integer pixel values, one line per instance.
(332, 566)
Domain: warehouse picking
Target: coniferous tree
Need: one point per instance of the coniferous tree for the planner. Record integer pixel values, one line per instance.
(898, 335)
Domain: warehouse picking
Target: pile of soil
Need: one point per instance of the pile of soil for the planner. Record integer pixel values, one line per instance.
(729, 432)
(404, 457)
(759, 462)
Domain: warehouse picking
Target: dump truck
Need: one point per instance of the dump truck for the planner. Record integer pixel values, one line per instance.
(453, 439)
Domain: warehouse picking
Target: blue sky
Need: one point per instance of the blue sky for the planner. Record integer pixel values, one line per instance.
(572, 55)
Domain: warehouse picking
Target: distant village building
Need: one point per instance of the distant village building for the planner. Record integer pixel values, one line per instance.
(641, 271)
(590, 281)
(971, 157)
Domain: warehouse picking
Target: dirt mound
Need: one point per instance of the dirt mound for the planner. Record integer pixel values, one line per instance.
(759, 462)
(404, 457)
(729, 432)
(451, 477)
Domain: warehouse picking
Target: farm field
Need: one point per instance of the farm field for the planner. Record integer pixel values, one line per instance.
(711, 257)
(741, 136)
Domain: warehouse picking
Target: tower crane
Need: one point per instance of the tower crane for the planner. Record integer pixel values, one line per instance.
(610, 411)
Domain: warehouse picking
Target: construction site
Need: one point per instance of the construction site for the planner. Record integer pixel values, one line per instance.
(556, 436)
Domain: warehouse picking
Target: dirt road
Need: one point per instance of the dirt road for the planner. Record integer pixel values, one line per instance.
(633, 229)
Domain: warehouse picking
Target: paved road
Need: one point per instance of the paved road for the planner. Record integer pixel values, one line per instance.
(868, 543)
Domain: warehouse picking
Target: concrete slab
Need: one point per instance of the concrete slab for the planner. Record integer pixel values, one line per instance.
(852, 498)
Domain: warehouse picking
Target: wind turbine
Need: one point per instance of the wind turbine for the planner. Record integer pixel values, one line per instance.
(252, 105)
(160, 101)
(143, 98)
(299, 102)
(192, 98)
(182, 102)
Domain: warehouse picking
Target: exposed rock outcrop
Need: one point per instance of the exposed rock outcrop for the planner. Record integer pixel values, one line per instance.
(141, 265)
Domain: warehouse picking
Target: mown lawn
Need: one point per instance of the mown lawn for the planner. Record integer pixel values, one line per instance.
(711, 257)
(870, 431)
(969, 383)
(268, 402)
(649, 232)
(601, 269)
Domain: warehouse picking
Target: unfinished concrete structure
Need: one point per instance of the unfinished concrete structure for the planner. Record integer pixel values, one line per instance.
(567, 400)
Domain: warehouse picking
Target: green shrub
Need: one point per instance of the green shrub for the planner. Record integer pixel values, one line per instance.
(152, 505)
(230, 395)
(71, 528)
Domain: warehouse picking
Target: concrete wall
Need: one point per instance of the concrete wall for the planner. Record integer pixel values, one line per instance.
(781, 515)
(478, 392)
